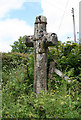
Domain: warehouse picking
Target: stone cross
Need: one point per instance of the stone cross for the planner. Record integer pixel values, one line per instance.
(41, 40)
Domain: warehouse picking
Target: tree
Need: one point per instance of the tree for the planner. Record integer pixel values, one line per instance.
(19, 46)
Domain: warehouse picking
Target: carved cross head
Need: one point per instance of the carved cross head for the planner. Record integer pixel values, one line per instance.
(44, 39)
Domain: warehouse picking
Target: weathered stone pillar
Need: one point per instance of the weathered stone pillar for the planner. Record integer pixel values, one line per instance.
(40, 57)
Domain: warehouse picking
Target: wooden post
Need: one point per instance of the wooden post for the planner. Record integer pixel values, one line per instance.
(74, 24)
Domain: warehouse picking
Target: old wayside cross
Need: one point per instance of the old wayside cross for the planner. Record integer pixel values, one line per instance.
(41, 40)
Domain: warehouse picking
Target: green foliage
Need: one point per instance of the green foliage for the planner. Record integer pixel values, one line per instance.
(13, 59)
(55, 82)
(19, 46)
(66, 56)
(12, 62)
(45, 105)
(63, 99)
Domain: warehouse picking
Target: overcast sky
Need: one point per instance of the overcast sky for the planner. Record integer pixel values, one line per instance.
(17, 19)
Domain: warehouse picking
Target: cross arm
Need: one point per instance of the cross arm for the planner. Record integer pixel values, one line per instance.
(29, 41)
(50, 39)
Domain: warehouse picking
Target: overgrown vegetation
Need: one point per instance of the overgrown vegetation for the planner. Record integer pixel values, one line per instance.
(63, 99)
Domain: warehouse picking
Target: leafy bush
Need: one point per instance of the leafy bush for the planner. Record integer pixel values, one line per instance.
(12, 61)
(66, 56)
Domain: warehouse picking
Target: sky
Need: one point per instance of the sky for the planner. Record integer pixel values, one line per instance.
(17, 19)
